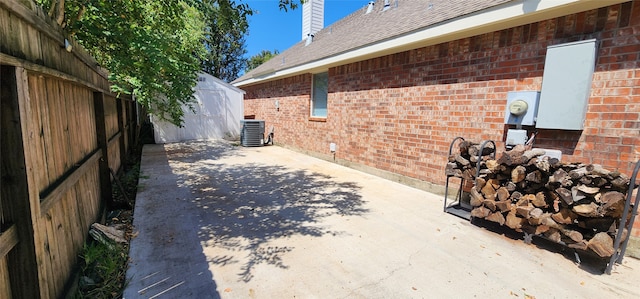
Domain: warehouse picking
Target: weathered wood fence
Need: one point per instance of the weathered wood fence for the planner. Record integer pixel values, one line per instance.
(62, 132)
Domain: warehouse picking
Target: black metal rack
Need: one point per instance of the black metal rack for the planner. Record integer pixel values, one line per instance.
(618, 246)
(462, 209)
(459, 207)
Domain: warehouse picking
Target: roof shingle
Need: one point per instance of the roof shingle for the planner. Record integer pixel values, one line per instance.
(359, 29)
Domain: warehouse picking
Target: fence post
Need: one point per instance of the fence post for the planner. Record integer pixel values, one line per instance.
(17, 202)
(103, 144)
(121, 129)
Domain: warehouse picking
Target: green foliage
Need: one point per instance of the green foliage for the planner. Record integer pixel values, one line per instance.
(260, 58)
(226, 26)
(103, 271)
(154, 49)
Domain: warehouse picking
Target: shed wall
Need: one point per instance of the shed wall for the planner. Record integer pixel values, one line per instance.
(216, 114)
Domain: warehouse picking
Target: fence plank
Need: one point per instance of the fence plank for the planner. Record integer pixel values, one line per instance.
(70, 180)
(101, 133)
(18, 182)
(10, 60)
(5, 281)
(8, 240)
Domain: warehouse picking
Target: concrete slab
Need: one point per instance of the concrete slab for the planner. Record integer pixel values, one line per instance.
(218, 221)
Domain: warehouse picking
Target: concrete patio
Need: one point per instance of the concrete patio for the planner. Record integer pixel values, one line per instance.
(220, 221)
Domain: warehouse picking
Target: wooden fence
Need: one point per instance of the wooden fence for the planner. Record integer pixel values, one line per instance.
(62, 131)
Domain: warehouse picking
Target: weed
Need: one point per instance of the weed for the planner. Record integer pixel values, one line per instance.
(103, 271)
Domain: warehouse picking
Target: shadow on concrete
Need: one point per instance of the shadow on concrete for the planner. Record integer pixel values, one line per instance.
(166, 257)
(242, 207)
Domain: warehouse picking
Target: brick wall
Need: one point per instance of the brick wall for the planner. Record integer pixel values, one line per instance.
(399, 112)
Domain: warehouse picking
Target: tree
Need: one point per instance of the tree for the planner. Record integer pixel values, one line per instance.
(226, 25)
(260, 58)
(152, 49)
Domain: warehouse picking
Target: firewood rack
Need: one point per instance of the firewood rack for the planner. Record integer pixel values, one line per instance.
(459, 207)
(620, 246)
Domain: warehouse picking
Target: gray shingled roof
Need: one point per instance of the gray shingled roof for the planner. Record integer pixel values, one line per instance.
(359, 29)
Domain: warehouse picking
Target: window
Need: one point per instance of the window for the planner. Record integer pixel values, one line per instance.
(319, 95)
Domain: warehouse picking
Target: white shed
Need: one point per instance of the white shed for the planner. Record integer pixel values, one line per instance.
(218, 112)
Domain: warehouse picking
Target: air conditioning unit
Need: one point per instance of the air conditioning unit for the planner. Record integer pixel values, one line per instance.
(252, 133)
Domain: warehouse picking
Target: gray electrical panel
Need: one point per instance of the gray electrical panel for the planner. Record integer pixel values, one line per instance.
(566, 84)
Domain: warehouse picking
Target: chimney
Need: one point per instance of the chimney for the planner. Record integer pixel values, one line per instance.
(370, 7)
(387, 5)
(312, 17)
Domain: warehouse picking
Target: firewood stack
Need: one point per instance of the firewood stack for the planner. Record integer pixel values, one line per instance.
(579, 205)
(464, 164)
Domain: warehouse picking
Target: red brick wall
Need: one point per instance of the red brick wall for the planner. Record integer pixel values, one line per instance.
(400, 112)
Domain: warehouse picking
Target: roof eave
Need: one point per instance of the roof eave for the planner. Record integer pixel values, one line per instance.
(511, 14)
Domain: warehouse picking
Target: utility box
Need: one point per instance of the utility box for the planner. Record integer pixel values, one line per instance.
(522, 108)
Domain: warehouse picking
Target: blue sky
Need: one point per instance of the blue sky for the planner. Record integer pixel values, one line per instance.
(272, 29)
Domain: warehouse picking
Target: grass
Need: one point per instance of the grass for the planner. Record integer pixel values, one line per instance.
(103, 267)
(103, 271)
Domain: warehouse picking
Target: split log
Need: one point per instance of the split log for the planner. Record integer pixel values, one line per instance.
(461, 160)
(489, 204)
(577, 195)
(514, 222)
(464, 147)
(516, 196)
(502, 194)
(475, 149)
(543, 165)
(496, 217)
(488, 191)
(587, 210)
(494, 166)
(597, 169)
(541, 229)
(588, 190)
(578, 173)
(598, 181)
(575, 236)
(469, 174)
(535, 176)
(524, 211)
(548, 221)
(565, 195)
(480, 182)
(518, 174)
(535, 216)
(620, 183)
(601, 244)
(614, 203)
(476, 197)
(480, 212)
(452, 170)
(553, 235)
(561, 177)
(539, 200)
(512, 157)
(530, 154)
(503, 205)
(565, 216)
